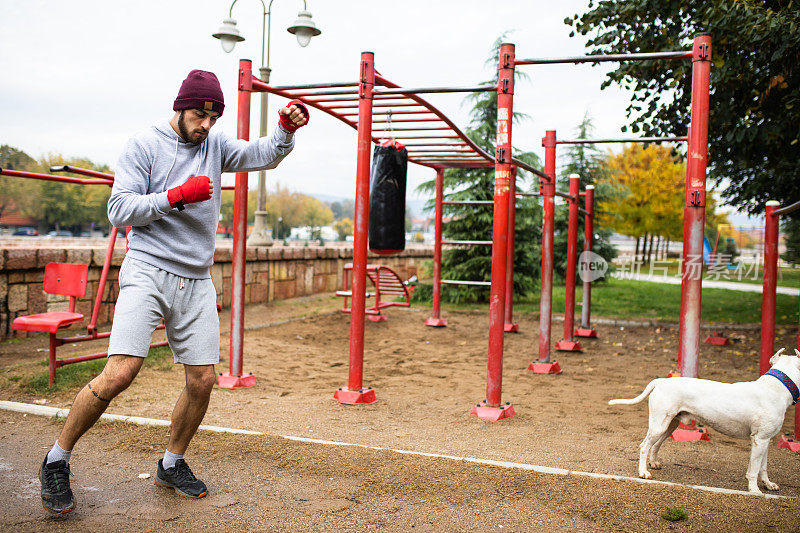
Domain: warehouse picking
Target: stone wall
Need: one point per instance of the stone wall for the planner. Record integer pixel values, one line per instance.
(273, 273)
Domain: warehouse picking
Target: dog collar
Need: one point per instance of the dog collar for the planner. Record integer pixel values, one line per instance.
(787, 382)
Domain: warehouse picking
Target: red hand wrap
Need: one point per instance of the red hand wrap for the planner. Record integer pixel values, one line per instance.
(195, 189)
(287, 123)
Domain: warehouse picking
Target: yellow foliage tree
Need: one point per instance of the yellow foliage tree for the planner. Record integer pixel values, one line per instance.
(648, 198)
(648, 187)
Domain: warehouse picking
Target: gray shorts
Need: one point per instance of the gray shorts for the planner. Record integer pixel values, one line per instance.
(188, 306)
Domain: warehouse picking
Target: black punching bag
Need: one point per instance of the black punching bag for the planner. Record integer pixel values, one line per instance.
(387, 199)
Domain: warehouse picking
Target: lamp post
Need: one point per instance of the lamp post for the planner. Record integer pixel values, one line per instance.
(304, 29)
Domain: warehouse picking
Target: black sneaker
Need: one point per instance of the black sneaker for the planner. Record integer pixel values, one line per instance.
(56, 495)
(180, 478)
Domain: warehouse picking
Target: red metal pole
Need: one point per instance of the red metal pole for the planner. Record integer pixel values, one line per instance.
(769, 288)
(355, 392)
(491, 408)
(568, 344)
(548, 189)
(98, 299)
(509, 324)
(586, 330)
(436, 320)
(234, 379)
(694, 210)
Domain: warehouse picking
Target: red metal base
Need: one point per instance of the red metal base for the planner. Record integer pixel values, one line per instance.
(436, 322)
(717, 339)
(493, 414)
(545, 368)
(586, 332)
(511, 327)
(352, 397)
(229, 381)
(568, 346)
(377, 318)
(690, 432)
(788, 442)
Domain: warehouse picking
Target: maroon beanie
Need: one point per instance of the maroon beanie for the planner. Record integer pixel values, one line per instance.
(200, 90)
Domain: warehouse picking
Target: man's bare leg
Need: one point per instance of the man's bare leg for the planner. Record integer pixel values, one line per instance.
(191, 406)
(90, 403)
(172, 471)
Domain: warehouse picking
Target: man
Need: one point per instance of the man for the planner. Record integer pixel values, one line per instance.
(167, 187)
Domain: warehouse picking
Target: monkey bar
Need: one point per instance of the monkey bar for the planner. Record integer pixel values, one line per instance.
(379, 110)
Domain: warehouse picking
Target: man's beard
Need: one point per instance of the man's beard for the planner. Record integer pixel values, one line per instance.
(185, 131)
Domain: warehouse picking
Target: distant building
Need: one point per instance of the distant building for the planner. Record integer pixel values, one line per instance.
(12, 220)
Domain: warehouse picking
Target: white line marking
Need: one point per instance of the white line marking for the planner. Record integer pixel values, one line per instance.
(56, 412)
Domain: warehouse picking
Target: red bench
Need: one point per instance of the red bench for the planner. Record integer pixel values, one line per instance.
(386, 282)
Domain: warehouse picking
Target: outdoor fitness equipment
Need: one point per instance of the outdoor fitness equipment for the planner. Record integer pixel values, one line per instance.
(445, 146)
(694, 206)
(57, 275)
(771, 224)
(387, 210)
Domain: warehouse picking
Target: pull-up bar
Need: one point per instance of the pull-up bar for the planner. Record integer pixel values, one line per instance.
(82, 171)
(423, 90)
(786, 210)
(62, 179)
(468, 202)
(623, 140)
(602, 58)
(459, 282)
(316, 86)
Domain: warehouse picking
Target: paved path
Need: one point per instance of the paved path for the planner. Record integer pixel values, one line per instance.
(264, 483)
(730, 285)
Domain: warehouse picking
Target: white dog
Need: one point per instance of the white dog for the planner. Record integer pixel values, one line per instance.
(753, 409)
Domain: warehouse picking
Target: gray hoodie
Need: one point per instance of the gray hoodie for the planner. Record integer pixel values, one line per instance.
(156, 160)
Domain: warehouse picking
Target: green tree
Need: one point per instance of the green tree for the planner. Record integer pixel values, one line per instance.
(755, 102)
(474, 222)
(589, 163)
(63, 205)
(16, 193)
(791, 230)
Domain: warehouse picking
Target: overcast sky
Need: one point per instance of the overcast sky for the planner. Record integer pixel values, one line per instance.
(81, 76)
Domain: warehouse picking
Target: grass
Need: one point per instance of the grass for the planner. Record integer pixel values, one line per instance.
(78, 374)
(674, 514)
(629, 299)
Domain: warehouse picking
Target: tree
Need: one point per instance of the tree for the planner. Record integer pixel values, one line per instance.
(315, 214)
(646, 185)
(590, 164)
(474, 222)
(755, 103)
(343, 209)
(792, 235)
(17, 193)
(285, 205)
(343, 228)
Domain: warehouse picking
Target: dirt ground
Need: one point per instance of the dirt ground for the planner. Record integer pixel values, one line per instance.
(426, 381)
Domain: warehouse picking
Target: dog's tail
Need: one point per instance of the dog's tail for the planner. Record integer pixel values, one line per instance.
(645, 393)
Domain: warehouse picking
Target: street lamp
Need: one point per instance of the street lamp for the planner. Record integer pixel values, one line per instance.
(304, 29)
